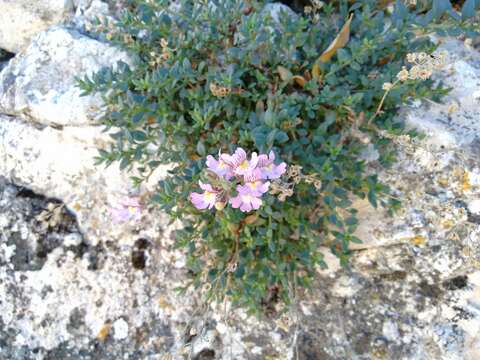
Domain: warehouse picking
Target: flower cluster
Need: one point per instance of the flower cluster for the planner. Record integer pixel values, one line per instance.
(247, 176)
(423, 66)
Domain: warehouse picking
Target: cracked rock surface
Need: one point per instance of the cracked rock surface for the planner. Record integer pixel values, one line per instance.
(40, 84)
(21, 20)
(74, 285)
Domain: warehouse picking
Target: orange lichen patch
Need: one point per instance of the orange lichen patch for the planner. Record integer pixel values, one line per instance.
(448, 223)
(104, 331)
(442, 181)
(77, 206)
(164, 304)
(418, 240)
(466, 185)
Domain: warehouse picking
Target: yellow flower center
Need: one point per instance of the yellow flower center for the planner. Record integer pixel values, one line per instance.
(253, 185)
(209, 196)
(244, 165)
(132, 210)
(246, 198)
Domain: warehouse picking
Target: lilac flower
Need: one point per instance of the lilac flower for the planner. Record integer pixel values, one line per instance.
(255, 184)
(268, 168)
(240, 163)
(207, 199)
(127, 209)
(245, 200)
(246, 175)
(219, 167)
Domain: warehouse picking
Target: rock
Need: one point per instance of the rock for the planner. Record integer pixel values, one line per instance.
(275, 10)
(4, 58)
(440, 174)
(411, 291)
(40, 83)
(64, 169)
(120, 328)
(21, 20)
(58, 303)
(88, 10)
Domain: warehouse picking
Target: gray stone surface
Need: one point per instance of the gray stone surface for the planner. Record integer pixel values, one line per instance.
(40, 83)
(21, 20)
(75, 285)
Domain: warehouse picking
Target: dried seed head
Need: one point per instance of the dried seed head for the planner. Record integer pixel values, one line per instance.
(219, 91)
(411, 57)
(387, 86)
(403, 74)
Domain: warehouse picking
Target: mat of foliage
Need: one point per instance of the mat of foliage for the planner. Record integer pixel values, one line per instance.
(211, 76)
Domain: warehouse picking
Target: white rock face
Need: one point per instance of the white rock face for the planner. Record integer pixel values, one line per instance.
(60, 164)
(411, 293)
(21, 20)
(454, 122)
(445, 163)
(40, 84)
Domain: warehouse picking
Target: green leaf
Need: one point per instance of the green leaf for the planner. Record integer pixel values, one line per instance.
(138, 135)
(468, 9)
(124, 163)
(372, 198)
(201, 148)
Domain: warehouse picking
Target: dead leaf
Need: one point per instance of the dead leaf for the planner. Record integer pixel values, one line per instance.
(300, 80)
(316, 73)
(250, 219)
(284, 73)
(307, 75)
(339, 42)
(104, 331)
(385, 60)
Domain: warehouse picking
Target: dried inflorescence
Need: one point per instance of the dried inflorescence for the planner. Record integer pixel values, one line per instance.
(313, 10)
(422, 69)
(423, 66)
(165, 54)
(294, 176)
(219, 91)
(247, 176)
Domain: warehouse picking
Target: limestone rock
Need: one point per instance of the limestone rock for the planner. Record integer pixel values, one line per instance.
(436, 178)
(61, 300)
(60, 164)
(21, 20)
(75, 285)
(40, 83)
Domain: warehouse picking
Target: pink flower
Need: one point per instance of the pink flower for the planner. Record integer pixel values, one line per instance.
(268, 168)
(127, 209)
(219, 167)
(255, 184)
(207, 199)
(245, 200)
(239, 162)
